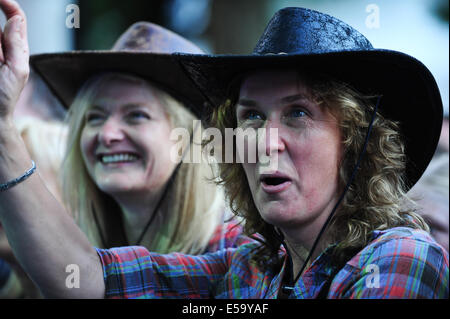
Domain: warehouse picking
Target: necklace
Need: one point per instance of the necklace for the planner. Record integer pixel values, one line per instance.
(155, 211)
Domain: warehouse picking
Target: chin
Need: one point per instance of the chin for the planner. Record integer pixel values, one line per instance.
(283, 216)
(277, 216)
(115, 189)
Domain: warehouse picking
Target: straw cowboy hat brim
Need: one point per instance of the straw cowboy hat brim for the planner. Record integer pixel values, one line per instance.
(143, 50)
(313, 42)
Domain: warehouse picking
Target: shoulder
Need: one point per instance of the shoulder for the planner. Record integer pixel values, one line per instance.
(399, 263)
(401, 243)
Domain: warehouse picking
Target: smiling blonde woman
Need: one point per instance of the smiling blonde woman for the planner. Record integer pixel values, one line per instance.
(139, 117)
(119, 181)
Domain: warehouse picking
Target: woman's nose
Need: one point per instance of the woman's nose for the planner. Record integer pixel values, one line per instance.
(273, 138)
(110, 133)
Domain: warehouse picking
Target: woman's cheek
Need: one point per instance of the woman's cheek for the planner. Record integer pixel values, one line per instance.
(87, 146)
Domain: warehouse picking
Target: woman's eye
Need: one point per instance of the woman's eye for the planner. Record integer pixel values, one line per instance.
(93, 118)
(138, 115)
(297, 113)
(252, 115)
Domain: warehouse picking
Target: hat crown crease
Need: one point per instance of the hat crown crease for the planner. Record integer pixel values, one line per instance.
(304, 31)
(151, 38)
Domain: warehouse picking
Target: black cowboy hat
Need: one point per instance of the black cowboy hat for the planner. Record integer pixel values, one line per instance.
(309, 40)
(144, 50)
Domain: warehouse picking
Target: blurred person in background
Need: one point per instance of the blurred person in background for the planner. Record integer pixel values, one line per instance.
(37, 102)
(432, 191)
(11, 286)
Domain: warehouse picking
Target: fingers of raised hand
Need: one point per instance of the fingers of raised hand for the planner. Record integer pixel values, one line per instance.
(11, 8)
(15, 31)
(14, 57)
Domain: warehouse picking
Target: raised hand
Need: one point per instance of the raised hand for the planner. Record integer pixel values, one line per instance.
(14, 57)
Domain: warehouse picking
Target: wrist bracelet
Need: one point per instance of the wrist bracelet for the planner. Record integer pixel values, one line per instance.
(9, 184)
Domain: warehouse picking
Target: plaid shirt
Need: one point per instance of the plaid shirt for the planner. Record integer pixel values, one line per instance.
(227, 235)
(398, 263)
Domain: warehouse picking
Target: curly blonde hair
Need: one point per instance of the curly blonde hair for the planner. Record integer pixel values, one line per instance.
(376, 199)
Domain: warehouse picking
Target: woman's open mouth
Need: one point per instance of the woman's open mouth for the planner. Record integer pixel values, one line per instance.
(274, 183)
(117, 158)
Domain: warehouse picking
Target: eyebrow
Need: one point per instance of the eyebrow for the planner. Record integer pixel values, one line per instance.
(133, 105)
(124, 107)
(284, 100)
(247, 102)
(96, 107)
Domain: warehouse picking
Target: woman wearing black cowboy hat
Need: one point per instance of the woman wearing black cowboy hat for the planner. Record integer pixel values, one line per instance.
(341, 152)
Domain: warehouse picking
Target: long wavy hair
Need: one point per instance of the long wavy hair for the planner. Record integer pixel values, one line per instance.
(376, 200)
(45, 141)
(193, 207)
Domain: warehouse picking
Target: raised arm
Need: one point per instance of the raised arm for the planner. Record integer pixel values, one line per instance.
(43, 236)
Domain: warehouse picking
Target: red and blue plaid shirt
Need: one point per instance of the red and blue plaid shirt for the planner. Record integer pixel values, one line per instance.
(398, 263)
(226, 235)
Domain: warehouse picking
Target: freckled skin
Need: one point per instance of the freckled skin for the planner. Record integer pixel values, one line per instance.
(308, 149)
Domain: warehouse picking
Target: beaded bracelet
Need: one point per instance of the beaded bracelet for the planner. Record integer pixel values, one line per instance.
(9, 184)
